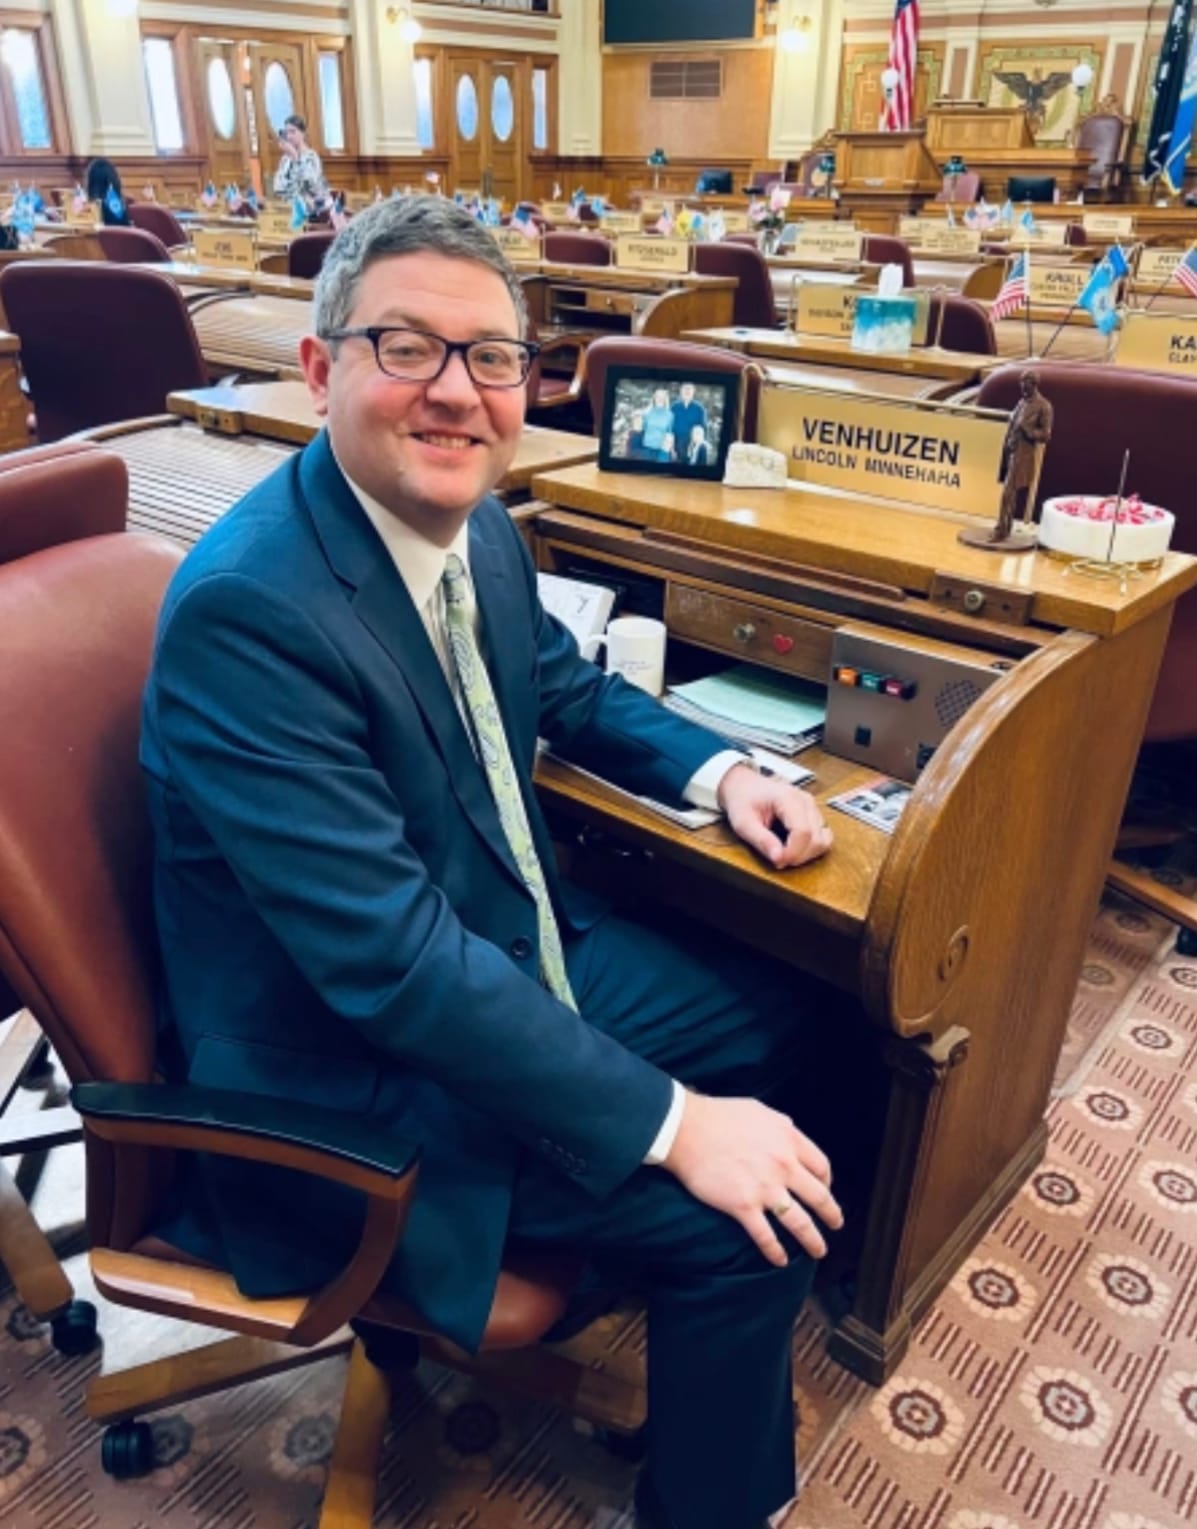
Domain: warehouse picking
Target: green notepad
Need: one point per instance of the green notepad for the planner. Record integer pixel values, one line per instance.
(751, 697)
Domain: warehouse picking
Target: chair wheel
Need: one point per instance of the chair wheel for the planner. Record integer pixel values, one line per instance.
(73, 1330)
(127, 1450)
(1186, 943)
(624, 1446)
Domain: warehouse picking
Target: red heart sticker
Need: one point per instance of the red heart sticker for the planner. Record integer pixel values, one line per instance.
(782, 644)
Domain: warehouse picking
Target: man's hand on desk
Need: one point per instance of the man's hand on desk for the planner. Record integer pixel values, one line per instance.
(752, 1162)
(754, 804)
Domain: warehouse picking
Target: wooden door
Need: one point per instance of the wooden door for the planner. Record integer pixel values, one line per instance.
(467, 114)
(504, 128)
(277, 90)
(229, 150)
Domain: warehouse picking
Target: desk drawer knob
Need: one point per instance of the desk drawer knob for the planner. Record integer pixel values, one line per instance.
(744, 631)
(974, 602)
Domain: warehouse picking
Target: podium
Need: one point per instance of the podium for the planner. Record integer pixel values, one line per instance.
(881, 175)
(964, 128)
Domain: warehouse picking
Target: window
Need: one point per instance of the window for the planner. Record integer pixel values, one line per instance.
(220, 98)
(331, 115)
(687, 80)
(502, 108)
(158, 57)
(18, 49)
(540, 108)
(467, 108)
(422, 71)
(279, 97)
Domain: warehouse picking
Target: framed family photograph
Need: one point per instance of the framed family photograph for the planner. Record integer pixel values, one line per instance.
(667, 420)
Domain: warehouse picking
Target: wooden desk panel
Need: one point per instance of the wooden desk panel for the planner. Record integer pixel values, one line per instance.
(955, 366)
(961, 937)
(14, 406)
(247, 333)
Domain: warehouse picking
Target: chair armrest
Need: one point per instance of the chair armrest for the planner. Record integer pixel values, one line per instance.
(187, 1117)
(566, 342)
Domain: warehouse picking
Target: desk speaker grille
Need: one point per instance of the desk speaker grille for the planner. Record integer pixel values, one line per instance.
(954, 700)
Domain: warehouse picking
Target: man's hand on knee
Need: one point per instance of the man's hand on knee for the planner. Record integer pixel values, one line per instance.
(754, 1164)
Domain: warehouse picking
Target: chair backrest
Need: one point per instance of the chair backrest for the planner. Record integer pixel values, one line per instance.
(1031, 188)
(132, 246)
(966, 190)
(99, 343)
(577, 249)
(159, 221)
(306, 252)
(965, 325)
(1100, 412)
(885, 249)
(1102, 135)
(713, 183)
(753, 306)
(636, 350)
(55, 494)
(77, 942)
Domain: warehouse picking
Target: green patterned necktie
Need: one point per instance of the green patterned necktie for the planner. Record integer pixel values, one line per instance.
(496, 759)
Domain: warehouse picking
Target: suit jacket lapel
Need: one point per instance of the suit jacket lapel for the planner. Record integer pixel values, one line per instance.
(381, 602)
(502, 611)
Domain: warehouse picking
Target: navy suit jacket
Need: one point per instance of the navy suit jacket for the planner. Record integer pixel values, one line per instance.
(340, 919)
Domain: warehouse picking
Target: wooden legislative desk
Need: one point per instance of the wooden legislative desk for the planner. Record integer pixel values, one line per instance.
(183, 477)
(955, 367)
(1171, 225)
(606, 300)
(14, 406)
(975, 276)
(953, 948)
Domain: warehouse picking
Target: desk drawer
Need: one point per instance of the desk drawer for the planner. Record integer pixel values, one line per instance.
(613, 302)
(750, 632)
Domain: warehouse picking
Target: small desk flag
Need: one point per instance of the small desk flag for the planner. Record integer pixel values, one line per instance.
(1100, 297)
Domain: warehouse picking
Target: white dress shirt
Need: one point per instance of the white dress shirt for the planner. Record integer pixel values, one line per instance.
(421, 565)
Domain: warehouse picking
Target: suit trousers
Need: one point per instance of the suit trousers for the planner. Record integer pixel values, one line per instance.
(720, 1317)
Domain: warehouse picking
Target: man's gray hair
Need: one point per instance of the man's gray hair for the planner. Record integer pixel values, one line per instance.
(404, 228)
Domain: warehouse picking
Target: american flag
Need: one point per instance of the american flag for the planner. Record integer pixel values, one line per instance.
(1013, 291)
(903, 53)
(1186, 271)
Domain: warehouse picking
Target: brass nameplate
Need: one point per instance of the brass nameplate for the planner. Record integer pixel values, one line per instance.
(826, 310)
(218, 246)
(935, 236)
(1158, 342)
(652, 206)
(275, 224)
(620, 222)
(640, 252)
(87, 216)
(555, 212)
(1157, 266)
(1057, 286)
(735, 223)
(1119, 224)
(518, 248)
(827, 241)
(885, 450)
(1042, 233)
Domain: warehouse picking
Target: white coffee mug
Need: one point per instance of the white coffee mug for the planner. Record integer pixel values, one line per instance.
(636, 649)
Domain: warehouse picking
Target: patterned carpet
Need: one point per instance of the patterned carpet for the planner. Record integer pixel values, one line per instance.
(1054, 1384)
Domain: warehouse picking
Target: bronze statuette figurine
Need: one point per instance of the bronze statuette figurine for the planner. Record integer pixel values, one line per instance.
(1027, 434)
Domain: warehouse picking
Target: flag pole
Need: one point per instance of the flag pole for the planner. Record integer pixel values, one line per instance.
(1031, 356)
(1059, 329)
(1167, 281)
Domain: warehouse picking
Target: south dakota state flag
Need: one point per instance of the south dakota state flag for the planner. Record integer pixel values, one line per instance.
(1100, 297)
(1180, 141)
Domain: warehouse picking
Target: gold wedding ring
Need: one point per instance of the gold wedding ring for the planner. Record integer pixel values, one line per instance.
(782, 1210)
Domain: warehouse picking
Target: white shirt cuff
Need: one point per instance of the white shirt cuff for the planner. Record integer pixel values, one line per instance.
(702, 787)
(663, 1141)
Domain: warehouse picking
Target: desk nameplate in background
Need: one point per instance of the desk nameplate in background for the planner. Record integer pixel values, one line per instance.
(1041, 233)
(556, 212)
(826, 310)
(87, 216)
(1121, 225)
(620, 222)
(518, 248)
(827, 241)
(1156, 265)
(946, 461)
(1158, 342)
(218, 247)
(277, 225)
(1057, 286)
(937, 237)
(639, 252)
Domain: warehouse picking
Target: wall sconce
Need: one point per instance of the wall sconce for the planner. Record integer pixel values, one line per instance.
(409, 28)
(1082, 76)
(796, 37)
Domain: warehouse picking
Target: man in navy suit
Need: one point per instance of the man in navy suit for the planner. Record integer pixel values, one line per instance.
(357, 903)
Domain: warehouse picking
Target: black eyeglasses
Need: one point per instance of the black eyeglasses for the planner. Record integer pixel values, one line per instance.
(415, 355)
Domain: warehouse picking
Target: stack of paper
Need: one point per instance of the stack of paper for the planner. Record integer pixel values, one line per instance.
(750, 706)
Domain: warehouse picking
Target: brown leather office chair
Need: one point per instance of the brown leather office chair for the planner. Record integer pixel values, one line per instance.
(1104, 133)
(159, 221)
(1099, 413)
(885, 249)
(49, 495)
(576, 249)
(637, 350)
(960, 324)
(81, 954)
(753, 306)
(99, 342)
(132, 246)
(306, 252)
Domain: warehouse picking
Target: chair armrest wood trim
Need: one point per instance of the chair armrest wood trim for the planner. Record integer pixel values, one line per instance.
(186, 1117)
